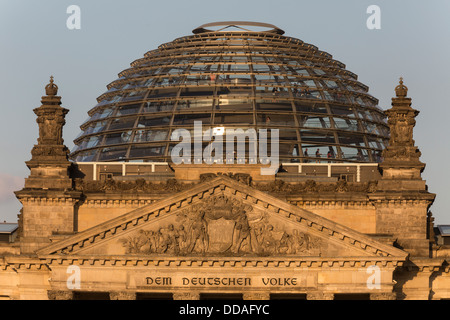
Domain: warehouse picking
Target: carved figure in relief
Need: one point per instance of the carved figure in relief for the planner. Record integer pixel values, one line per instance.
(220, 225)
(241, 233)
(183, 243)
(198, 233)
(267, 241)
(134, 244)
(168, 240)
(152, 241)
(403, 132)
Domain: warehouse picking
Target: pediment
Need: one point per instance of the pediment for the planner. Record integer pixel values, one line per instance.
(222, 217)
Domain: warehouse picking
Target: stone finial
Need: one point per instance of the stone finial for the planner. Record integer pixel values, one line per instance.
(401, 90)
(51, 89)
(401, 157)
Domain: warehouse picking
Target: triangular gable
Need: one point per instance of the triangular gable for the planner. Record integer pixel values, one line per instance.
(222, 217)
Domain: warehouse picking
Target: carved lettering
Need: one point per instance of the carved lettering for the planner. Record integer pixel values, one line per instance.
(160, 281)
(280, 281)
(216, 281)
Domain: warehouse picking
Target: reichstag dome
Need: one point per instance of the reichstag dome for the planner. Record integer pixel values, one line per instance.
(228, 76)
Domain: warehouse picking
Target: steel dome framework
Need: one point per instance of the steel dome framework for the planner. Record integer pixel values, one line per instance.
(236, 79)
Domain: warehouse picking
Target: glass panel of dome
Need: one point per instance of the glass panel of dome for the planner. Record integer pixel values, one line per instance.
(99, 126)
(260, 68)
(117, 138)
(269, 105)
(276, 119)
(314, 122)
(129, 86)
(319, 72)
(331, 84)
(86, 156)
(103, 102)
(288, 134)
(188, 119)
(264, 79)
(383, 131)
(234, 105)
(306, 108)
(233, 118)
(376, 156)
(370, 128)
(240, 67)
(343, 111)
(346, 124)
(361, 155)
(75, 148)
(347, 139)
(146, 151)
(128, 109)
(122, 123)
(102, 114)
(93, 141)
(340, 97)
(113, 153)
(366, 114)
(150, 107)
(150, 135)
(197, 104)
(148, 121)
(349, 153)
(147, 82)
(359, 100)
(316, 136)
(286, 148)
(374, 143)
(162, 93)
(328, 95)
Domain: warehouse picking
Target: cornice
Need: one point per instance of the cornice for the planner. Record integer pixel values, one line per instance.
(269, 262)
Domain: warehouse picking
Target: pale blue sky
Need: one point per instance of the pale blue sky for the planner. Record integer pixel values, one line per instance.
(35, 43)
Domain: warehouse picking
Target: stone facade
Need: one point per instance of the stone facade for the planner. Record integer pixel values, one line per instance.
(223, 230)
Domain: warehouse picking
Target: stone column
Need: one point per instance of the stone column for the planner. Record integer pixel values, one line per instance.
(383, 296)
(319, 296)
(186, 296)
(60, 295)
(122, 295)
(256, 296)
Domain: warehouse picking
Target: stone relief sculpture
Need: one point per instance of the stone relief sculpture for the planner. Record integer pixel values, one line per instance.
(311, 186)
(172, 185)
(223, 226)
(138, 185)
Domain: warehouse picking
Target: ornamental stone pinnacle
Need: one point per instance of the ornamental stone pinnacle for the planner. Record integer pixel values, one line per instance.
(49, 179)
(49, 162)
(401, 157)
(401, 168)
(51, 119)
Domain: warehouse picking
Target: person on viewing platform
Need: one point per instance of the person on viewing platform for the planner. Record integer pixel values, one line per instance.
(318, 155)
(305, 153)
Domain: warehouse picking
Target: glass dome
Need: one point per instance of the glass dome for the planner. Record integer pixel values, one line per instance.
(235, 78)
